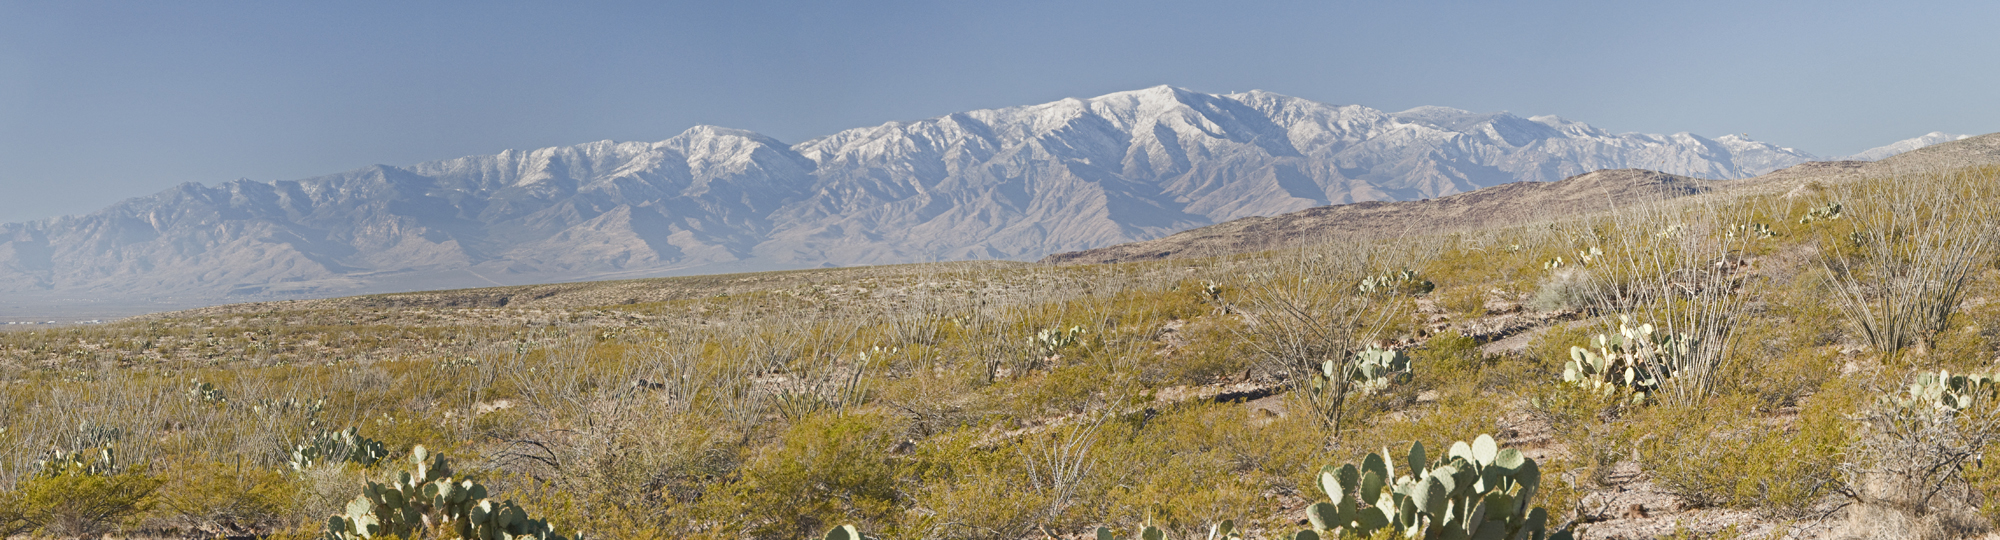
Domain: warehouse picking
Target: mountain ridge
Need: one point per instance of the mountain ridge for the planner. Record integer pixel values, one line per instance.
(1011, 183)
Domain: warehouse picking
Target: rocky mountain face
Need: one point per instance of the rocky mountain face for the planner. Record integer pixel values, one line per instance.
(1015, 183)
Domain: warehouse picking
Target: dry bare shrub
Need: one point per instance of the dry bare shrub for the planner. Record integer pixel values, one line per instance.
(1564, 290)
(586, 409)
(1058, 465)
(1906, 473)
(1308, 309)
(1906, 250)
(1679, 266)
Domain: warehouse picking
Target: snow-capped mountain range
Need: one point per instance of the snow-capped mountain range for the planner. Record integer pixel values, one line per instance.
(1013, 183)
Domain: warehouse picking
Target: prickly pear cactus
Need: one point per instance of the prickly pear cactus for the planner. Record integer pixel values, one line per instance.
(1824, 213)
(87, 462)
(1751, 230)
(1474, 491)
(1583, 258)
(1404, 282)
(431, 501)
(1149, 532)
(845, 532)
(1051, 341)
(327, 447)
(1224, 531)
(1210, 290)
(1375, 368)
(1370, 371)
(92, 452)
(206, 393)
(1638, 358)
(1947, 392)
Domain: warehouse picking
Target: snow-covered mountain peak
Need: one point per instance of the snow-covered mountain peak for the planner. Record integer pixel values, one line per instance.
(1449, 119)
(711, 145)
(1737, 143)
(1500, 127)
(1434, 114)
(705, 131)
(1150, 95)
(1569, 128)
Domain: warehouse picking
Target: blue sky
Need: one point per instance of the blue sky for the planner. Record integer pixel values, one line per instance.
(100, 101)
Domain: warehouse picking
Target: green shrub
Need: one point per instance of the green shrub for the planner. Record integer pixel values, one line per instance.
(80, 494)
(1446, 356)
(1214, 351)
(1716, 454)
(227, 499)
(1467, 302)
(826, 469)
(1187, 468)
(1589, 424)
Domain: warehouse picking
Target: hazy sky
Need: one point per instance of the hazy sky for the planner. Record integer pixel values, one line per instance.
(100, 101)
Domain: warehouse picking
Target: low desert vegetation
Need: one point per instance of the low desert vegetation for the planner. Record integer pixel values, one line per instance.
(1817, 361)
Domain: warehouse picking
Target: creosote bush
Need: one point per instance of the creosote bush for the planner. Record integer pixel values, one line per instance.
(83, 493)
(1713, 455)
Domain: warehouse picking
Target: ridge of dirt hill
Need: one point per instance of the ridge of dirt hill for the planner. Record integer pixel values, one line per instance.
(1514, 204)
(1970, 152)
(1507, 204)
(582, 294)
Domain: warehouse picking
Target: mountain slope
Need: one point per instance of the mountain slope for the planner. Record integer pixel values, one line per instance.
(1013, 183)
(597, 208)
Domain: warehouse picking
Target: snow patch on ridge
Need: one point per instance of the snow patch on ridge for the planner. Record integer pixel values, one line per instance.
(1882, 152)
